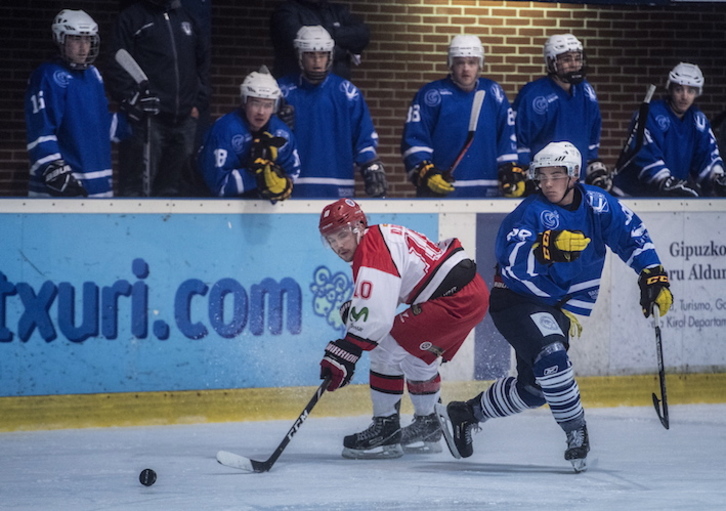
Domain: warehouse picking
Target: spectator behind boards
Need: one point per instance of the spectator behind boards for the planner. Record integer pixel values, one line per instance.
(437, 128)
(333, 127)
(350, 34)
(166, 42)
(680, 155)
(562, 106)
(69, 126)
(250, 152)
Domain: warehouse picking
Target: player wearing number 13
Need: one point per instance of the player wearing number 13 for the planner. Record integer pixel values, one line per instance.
(393, 265)
(550, 253)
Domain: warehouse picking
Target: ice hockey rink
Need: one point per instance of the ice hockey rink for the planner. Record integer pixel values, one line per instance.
(634, 464)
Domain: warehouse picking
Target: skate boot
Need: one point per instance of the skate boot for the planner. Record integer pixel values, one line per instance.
(458, 423)
(578, 445)
(422, 436)
(381, 440)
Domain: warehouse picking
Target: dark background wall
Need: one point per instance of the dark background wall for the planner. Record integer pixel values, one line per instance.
(627, 47)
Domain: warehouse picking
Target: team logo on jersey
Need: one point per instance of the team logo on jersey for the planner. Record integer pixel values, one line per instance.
(350, 90)
(700, 120)
(186, 27)
(598, 202)
(546, 324)
(498, 93)
(432, 98)
(539, 105)
(590, 93)
(550, 219)
(238, 143)
(62, 78)
(663, 122)
(428, 346)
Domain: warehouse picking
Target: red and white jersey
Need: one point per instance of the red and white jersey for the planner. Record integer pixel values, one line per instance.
(394, 265)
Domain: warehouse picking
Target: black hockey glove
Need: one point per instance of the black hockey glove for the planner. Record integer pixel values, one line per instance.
(427, 176)
(719, 185)
(286, 113)
(655, 290)
(512, 180)
(674, 187)
(599, 175)
(265, 146)
(339, 363)
(555, 246)
(374, 178)
(59, 180)
(272, 182)
(141, 105)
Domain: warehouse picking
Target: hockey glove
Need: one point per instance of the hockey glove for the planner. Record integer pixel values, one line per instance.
(140, 105)
(58, 178)
(599, 175)
(654, 290)
(719, 185)
(265, 146)
(512, 180)
(575, 325)
(555, 246)
(344, 310)
(374, 178)
(272, 183)
(286, 113)
(339, 363)
(674, 187)
(426, 175)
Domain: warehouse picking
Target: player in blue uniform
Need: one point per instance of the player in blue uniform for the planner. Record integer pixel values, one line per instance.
(562, 106)
(333, 126)
(250, 152)
(437, 126)
(680, 155)
(550, 253)
(69, 126)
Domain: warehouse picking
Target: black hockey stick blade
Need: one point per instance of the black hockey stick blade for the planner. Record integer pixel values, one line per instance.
(627, 155)
(232, 460)
(661, 405)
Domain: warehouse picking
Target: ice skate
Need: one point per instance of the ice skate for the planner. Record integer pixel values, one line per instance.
(422, 436)
(457, 424)
(382, 440)
(578, 445)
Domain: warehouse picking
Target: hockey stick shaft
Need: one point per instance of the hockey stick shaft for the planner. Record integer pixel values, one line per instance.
(473, 122)
(637, 133)
(129, 64)
(250, 465)
(661, 405)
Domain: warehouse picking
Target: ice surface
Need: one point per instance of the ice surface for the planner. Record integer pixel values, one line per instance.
(635, 464)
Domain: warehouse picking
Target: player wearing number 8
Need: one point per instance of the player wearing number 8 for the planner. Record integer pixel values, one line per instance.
(393, 265)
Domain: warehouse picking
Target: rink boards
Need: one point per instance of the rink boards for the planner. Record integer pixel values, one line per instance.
(127, 311)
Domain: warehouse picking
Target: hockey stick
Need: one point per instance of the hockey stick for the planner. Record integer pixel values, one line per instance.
(662, 415)
(627, 155)
(473, 122)
(127, 62)
(229, 459)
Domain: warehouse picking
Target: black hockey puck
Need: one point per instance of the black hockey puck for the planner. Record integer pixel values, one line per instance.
(147, 477)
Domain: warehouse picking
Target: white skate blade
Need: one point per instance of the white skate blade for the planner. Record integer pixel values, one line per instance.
(423, 448)
(580, 465)
(443, 417)
(382, 452)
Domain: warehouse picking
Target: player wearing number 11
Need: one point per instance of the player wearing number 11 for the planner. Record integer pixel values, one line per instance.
(393, 265)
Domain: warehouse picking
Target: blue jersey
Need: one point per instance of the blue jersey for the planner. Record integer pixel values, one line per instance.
(225, 154)
(334, 132)
(574, 285)
(546, 113)
(684, 148)
(437, 127)
(67, 117)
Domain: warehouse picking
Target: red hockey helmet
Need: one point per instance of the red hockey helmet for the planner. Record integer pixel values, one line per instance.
(341, 213)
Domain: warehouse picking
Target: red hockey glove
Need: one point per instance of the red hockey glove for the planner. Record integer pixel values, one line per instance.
(339, 363)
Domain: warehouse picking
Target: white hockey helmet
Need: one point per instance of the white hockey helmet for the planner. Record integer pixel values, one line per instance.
(312, 38)
(557, 154)
(260, 84)
(557, 45)
(465, 46)
(76, 23)
(686, 74)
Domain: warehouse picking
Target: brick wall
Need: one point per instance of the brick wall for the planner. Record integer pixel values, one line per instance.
(627, 47)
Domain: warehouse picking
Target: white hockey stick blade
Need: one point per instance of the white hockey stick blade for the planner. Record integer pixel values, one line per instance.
(127, 62)
(476, 109)
(231, 460)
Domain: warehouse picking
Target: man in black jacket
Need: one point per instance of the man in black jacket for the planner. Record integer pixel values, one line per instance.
(350, 34)
(166, 42)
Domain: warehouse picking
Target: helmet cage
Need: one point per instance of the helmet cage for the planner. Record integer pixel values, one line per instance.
(76, 23)
(556, 154)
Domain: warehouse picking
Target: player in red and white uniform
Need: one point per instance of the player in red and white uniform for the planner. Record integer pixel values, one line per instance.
(393, 265)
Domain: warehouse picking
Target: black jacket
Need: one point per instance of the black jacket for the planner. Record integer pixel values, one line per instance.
(166, 43)
(351, 35)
